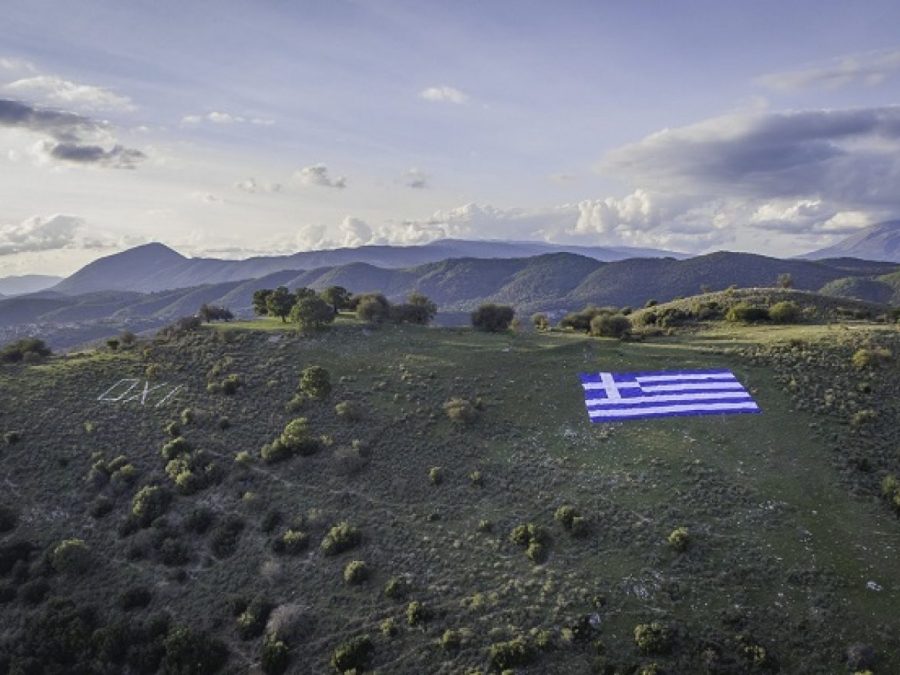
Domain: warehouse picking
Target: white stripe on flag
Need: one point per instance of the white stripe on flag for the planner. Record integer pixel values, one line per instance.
(665, 398)
(599, 385)
(694, 386)
(658, 410)
(678, 378)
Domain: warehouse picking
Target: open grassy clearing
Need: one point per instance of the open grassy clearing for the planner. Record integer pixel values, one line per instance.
(782, 541)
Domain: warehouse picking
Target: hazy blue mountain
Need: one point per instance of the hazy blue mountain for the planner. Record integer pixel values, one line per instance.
(26, 283)
(155, 267)
(878, 242)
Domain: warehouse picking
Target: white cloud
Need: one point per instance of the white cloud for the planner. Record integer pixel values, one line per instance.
(53, 90)
(317, 174)
(869, 68)
(49, 233)
(444, 94)
(225, 118)
(252, 186)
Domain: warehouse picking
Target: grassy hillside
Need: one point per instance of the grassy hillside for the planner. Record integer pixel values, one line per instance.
(884, 288)
(785, 526)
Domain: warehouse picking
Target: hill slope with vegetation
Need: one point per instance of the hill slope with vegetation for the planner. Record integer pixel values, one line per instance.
(445, 506)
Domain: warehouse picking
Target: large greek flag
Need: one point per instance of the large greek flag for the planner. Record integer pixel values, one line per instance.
(613, 397)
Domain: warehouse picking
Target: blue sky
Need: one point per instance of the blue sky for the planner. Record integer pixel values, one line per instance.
(239, 128)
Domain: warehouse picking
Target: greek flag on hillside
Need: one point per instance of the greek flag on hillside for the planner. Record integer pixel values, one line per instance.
(613, 397)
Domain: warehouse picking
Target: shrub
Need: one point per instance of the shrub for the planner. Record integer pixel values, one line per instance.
(492, 318)
(189, 653)
(450, 640)
(353, 655)
(225, 537)
(476, 478)
(292, 542)
(275, 655)
(348, 410)
(785, 312)
(389, 627)
(150, 502)
(71, 556)
(231, 384)
(890, 490)
(30, 349)
(540, 321)
(418, 310)
(436, 475)
(461, 410)
(342, 537)
(312, 313)
(174, 448)
(355, 572)
(416, 613)
(579, 527)
(565, 515)
(581, 321)
(315, 382)
(610, 325)
(871, 357)
(679, 539)
(515, 653)
(524, 535)
(295, 438)
(536, 552)
(113, 344)
(252, 621)
(395, 588)
(745, 313)
(652, 638)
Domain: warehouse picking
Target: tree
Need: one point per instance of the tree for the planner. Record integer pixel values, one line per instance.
(304, 292)
(418, 309)
(279, 303)
(26, 349)
(214, 313)
(493, 318)
(338, 297)
(372, 308)
(311, 313)
(261, 301)
(315, 382)
(785, 280)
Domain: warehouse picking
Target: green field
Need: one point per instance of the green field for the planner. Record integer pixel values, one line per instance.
(783, 536)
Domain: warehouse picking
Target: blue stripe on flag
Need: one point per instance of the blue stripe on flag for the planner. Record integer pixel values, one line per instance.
(611, 397)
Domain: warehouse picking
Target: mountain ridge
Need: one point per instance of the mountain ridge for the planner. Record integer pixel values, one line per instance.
(876, 242)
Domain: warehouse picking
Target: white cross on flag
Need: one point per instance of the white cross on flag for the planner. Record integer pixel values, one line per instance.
(613, 397)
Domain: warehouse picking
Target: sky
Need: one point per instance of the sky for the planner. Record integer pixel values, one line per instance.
(233, 129)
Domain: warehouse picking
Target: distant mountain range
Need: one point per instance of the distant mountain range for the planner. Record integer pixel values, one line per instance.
(554, 282)
(28, 283)
(156, 267)
(878, 242)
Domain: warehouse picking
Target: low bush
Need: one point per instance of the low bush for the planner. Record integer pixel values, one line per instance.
(340, 538)
(652, 638)
(226, 536)
(275, 655)
(193, 653)
(871, 357)
(679, 539)
(461, 410)
(540, 321)
(743, 312)
(395, 588)
(353, 655)
(416, 613)
(292, 542)
(785, 312)
(436, 475)
(348, 410)
(315, 382)
(610, 325)
(72, 557)
(149, 503)
(355, 572)
(515, 653)
(26, 349)
(252, 621)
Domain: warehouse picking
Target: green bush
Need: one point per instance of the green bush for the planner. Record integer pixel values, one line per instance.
(355, 572)
(252, 621)
(348, 410)
(292, 542)
(614, 325)
(743, 312)
(340, 538)
(372, 308)
(524, 535)
(149, 503)
(395, 588)
(871, 357)
(315, 382)
(72, 557)
(515, 653)
(785, 312)
(275, 655)
(565, 515)
(416, 613)
(353, 655)
(540, 321)
(190, 653)
(174, 448)
(461, 410)
(492, 318)
(536, 552)
(436, 475)
(581, 321)
(890, 489)
(389, 627)
(679, 539)
(312, 313)
(652, 638)
(450, 640)
(295, 439)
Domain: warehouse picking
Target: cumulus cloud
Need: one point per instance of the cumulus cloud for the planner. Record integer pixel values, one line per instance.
(870, 68)
(69, 137)
(49, 233)
(416, 179)
(791, 170)
(252, 186)
(49, 89)
(317, 174)
(444, 94)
